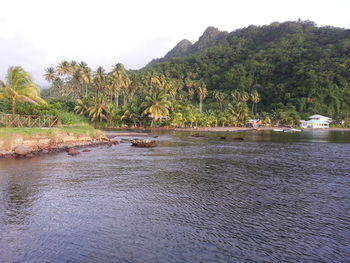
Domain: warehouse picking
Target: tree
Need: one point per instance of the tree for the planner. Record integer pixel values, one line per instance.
(239, 113)
(82, 106)
(156, 105)
(99, 79)
(202, 93)
(119, 80)
(19, 85)
(219, 96)
(50, 76)
(239, 96)
(63, 68)
(98, 110)
(255, 97)
(85, 75)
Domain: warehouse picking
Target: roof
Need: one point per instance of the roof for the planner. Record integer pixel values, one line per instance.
(317, 116)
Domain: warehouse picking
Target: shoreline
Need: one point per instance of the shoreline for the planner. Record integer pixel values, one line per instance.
(215, 129)
(39, 144)
(21, 145)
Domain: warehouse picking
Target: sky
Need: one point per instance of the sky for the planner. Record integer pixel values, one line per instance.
(38, 34)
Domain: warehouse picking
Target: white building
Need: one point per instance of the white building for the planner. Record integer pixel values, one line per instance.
(316, 122)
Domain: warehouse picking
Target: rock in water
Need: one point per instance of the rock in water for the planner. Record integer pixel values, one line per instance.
(22, 150)
(72, 151)
(197, 135)
(143, 143)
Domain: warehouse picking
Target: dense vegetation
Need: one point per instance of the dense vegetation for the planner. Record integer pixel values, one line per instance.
(19, 86)
(292, 65)
(279, 73)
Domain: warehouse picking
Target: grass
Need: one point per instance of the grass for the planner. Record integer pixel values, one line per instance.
(80, 130)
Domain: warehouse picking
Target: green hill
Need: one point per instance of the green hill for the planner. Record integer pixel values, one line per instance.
(293, 64)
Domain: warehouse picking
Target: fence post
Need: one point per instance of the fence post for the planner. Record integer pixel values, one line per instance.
(58, 123)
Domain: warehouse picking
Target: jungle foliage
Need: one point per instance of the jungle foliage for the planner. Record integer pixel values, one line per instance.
(279, 73)
(292, 65)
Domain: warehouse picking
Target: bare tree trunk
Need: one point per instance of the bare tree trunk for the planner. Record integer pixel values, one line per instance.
(124, 100)
(200, 105)
(13, 106)
(256, 108)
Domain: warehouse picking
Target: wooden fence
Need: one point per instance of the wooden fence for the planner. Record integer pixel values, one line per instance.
(28, 121)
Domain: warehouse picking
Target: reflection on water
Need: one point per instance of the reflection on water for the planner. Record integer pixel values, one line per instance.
(274, 197)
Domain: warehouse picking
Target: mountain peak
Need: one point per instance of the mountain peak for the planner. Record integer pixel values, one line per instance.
(179, 50)
(211, 36)
(211, 31)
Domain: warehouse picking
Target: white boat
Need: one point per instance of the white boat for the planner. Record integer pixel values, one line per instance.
(278, 130)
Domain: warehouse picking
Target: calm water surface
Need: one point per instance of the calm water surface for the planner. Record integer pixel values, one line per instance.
(274, 197)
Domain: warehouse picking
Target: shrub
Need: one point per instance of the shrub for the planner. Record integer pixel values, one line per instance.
(5, 106)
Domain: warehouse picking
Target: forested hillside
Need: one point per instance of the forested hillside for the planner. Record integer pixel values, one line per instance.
(294, 66)
(279, 73)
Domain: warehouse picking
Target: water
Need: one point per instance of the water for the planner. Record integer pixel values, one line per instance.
(274, 197)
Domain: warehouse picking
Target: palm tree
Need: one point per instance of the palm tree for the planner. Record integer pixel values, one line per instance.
(244, 96)
(119, 80)
(58, 87)
(202, 94)
(50, 76)
(153, 81)
(131, 90)
(266, 118)
(82, 106)
(99, 79)
(98, 110)
(85, 75)
(19, 85)
(219, 96)
(239, 112)
(63, 68)
(156, 105)
(130, 115)
(255, 97)
(192, 114)
(236, 95)
(73, 67)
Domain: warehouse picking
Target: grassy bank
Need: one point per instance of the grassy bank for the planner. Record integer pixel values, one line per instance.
(81, 129)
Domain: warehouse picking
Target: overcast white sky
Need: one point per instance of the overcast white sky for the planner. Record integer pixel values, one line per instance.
(37, 34)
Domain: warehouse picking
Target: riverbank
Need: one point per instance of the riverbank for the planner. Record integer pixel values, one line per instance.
(28, 142)
(241, 129)
(213, 129)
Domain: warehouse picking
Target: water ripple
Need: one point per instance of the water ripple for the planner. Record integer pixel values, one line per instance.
(282, 198)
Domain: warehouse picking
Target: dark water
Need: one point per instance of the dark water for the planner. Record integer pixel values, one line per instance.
(274, 197)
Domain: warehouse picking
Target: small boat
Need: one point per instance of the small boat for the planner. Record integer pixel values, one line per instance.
(278, 130)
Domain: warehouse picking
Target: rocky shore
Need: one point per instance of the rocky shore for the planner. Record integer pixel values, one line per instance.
(20, 146)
